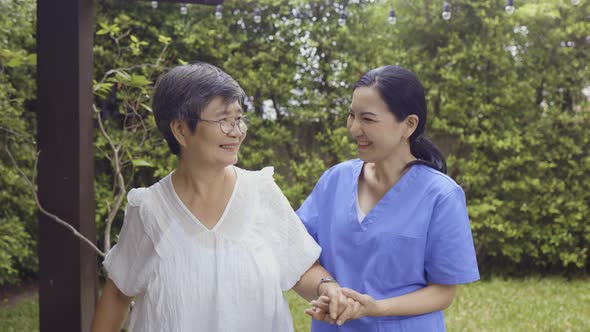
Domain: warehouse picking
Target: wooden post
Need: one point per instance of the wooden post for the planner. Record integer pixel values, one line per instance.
(67, 268)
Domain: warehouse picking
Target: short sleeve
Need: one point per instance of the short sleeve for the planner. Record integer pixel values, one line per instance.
(450, 253)
(308, 212)
(130, 263)
(297, 251)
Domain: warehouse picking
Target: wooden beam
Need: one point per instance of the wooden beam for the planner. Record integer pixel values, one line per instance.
(201, 2)
(67, 267)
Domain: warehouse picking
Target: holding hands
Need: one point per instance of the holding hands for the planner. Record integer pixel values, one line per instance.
(338, 305)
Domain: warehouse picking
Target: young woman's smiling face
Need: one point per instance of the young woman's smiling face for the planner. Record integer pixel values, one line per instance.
(378, 134)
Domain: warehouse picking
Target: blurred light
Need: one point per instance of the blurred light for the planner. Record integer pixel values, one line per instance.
(218, 14)
(392, 19)
(575, 2)
(257, 17)
(297, 18)
(183, 9)
(154, 4)
(446, 14)
(510, 7)
(342, 19)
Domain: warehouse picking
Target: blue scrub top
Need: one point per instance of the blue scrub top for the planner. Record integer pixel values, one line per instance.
(418, 233)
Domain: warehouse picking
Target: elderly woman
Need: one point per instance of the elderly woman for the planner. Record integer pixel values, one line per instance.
(210, 247)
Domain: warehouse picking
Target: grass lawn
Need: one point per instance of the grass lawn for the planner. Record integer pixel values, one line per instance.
(547, 304)
(21, 317)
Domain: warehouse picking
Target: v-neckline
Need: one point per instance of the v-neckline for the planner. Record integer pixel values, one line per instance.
(190, 216)
(396, 188)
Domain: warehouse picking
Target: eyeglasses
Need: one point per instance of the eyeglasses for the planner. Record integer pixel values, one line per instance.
(227, 126)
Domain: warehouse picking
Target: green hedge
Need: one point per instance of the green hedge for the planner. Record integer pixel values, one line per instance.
(505, 100)
(18, 233)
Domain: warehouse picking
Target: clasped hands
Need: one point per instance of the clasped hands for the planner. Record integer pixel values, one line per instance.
(337, 305)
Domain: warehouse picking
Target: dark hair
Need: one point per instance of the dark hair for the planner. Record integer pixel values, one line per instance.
(404, 95)
(185, 91)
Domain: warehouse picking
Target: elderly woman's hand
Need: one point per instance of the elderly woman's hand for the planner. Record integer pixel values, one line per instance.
(319, 310)
(331, 303)
(358, 305)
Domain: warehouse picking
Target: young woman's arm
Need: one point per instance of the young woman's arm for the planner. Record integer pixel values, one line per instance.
(111, 309)
(431, 298)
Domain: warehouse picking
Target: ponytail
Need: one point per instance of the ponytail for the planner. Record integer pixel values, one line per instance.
(427, 154)
(404, 95)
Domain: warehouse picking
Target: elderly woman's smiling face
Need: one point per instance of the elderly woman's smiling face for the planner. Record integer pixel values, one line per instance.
(218, 136)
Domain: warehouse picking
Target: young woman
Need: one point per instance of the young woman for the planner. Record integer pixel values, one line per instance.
(392, 226)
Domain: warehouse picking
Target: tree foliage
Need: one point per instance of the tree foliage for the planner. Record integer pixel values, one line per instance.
(505, 100)
(17, 127)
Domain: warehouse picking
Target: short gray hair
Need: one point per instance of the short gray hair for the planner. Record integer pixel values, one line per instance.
(185, 91)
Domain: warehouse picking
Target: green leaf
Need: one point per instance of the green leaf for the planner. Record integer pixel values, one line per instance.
(32, 59)
(139, 81)
(15, 62)
(141, 163)
(147, 107)
(164, 40)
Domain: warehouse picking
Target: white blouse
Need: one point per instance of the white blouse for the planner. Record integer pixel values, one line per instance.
(186, 277)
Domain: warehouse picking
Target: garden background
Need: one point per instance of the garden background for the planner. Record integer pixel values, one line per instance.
(508, 104)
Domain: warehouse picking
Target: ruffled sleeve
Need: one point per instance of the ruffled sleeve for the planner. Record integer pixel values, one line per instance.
(130, 263)
(296, 249)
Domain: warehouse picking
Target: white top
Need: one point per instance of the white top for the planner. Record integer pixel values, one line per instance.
(360, 215)
(231, 278)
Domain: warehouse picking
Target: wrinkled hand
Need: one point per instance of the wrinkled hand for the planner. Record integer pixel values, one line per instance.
(331, 304)
(319, 310)
(358, 305)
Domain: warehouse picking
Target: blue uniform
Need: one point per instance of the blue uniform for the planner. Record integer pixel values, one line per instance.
(418, 233)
